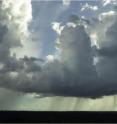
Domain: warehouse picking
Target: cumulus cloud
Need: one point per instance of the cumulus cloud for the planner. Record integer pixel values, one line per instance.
(16, 16)
(26, 75)
(15, 38)
(74, 73)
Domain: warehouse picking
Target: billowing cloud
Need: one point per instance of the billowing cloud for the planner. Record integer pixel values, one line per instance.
(15, 17)
(26, 75)
(74, 72)
(15, 38)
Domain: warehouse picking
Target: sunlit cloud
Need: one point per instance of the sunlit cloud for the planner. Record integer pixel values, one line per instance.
(86, 7)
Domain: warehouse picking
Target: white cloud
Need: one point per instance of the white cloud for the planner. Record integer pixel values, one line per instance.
(16, 16)
(108, 2)
(94, 39)
(109, 16)
(86, 7)
(50, 58)
(56, 27)
(70, 24)
(66, 2)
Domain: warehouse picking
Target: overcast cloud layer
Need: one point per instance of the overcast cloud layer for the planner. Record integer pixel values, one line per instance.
(84, 64)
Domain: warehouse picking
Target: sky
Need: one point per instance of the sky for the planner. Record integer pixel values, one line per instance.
(58, 55)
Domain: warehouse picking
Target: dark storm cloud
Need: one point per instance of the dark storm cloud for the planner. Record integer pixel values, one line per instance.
(68, 78)
(31, 59)
(3, 30)
(110, 49)
(107, 51)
